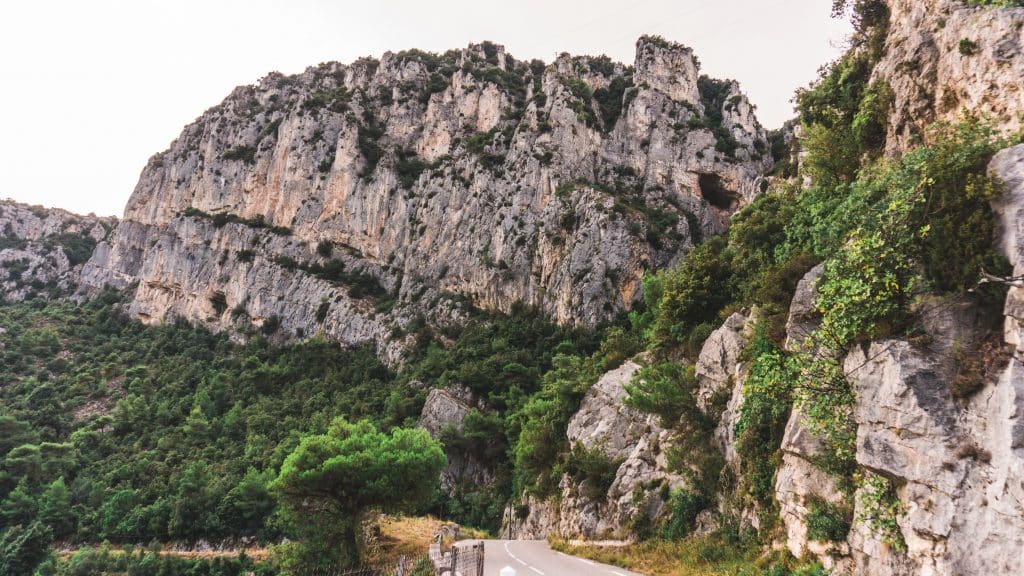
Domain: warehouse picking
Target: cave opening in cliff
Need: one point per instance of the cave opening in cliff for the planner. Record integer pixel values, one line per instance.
(219, 301)
(714, 191)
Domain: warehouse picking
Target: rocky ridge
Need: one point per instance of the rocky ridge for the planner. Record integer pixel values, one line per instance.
(43, 251)
(360, 200)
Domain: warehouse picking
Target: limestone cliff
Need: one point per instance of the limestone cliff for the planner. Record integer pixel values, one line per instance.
(639, 447)
(355, 199)
(943, 57)
(943, 431)
(42, 251)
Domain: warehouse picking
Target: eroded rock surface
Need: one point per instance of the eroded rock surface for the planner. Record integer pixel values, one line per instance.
(42, 250)
(627, 436)
(353, 199)
(444, 411)
(943, 57)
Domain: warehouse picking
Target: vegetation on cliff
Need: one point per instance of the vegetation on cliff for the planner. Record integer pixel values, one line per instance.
(115, 431)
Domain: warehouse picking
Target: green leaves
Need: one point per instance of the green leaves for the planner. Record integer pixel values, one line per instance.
(879, 508)
(356, 466)
(330, 479)
(666, 389)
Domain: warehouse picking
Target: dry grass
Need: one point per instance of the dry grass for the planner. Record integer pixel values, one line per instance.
(705, 556)
(410, 537)
(656, 558)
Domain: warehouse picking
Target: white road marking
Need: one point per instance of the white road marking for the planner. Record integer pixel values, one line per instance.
(521, 562)
(537, 571)
(593, 564)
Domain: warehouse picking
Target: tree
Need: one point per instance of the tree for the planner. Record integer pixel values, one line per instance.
(55, 508)
(330, 480)
(22, 549)
(248, 504)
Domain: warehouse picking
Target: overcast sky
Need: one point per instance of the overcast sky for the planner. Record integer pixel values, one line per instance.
(93, 88)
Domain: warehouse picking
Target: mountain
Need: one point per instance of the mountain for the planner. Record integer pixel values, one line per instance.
(624, 310)
(895, 449)
(359, 200)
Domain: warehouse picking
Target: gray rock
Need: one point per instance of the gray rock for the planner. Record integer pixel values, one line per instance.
(446, 409)
(604, 420)
(491, 217)
(932, 80)
(717, 365)
(1008, 165)
(33, 259)
(804, 317)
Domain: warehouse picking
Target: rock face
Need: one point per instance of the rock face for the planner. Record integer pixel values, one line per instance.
(351, 199)
(720, 376)
(42, 250)
(957, 463)
(444, 409)
(943, 57)
(1008, 165)
(640, 445)
(625, 435)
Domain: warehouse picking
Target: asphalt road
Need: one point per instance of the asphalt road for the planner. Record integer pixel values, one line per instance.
(535, 558)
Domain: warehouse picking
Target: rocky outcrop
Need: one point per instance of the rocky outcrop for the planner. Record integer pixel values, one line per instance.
(444, 411)
(720, 377)
(1008, 166)
(639, 445)
(354, 199)
(943, 57)
(627, 436)
(954, 458)
(42, 250)
(803, 317)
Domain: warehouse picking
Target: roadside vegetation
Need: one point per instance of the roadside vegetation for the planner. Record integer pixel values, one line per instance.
(117, 437)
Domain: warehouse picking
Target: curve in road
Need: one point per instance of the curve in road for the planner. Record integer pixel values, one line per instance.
(536, 558)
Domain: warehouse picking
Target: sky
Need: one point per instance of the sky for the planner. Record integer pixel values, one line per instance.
(93, 88)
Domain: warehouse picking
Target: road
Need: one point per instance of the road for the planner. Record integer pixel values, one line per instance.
(535, 558)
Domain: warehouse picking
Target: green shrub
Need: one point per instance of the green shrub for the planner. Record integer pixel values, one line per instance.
(827, 522)
(665, 389)
(322, 310)
(967, 47)
(409, 168)
(581, 102)
(367, 140)
(684, 506)
(329, 481)
(244, 153)
(611, 100)
(714, 95)
(591, 469)
(77, 247)
(764, 411)
(693, 293)
(879, 508)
